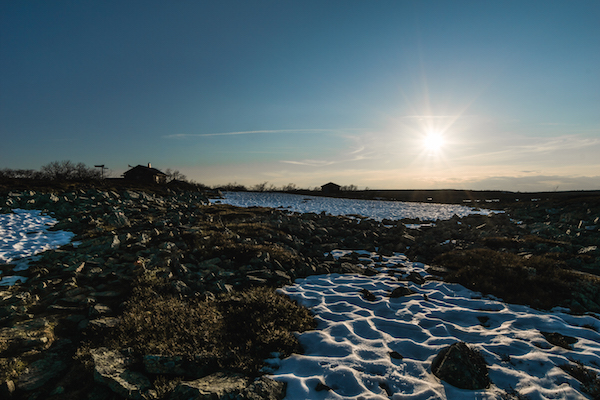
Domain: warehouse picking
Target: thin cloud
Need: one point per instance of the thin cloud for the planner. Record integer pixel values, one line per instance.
(323, 163)
(310, 163)
(192, 135)
(539, 146)
(430, 116)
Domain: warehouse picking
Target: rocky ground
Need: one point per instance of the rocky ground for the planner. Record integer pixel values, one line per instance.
(70, 330)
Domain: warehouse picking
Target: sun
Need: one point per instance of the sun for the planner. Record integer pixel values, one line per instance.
(433, 142)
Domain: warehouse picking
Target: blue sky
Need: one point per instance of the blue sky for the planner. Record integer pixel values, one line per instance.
(308, 92)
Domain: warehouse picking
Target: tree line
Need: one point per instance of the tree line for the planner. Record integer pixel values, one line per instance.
(266, 187)
(55, 171)
(67, 170)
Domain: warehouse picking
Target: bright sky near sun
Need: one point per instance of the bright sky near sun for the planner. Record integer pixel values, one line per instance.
(386, 94)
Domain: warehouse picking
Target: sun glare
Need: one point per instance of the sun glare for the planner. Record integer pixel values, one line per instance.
(433, 142)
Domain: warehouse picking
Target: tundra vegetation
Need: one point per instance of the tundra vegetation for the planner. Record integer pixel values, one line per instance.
(159, 276)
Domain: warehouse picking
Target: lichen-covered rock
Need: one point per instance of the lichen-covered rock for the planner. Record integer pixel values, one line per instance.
(264, 388)
(36, 334)
(42, 371)
(111, 369)
(218, 386)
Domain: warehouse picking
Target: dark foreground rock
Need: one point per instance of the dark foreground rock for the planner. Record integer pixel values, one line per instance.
(461, 366)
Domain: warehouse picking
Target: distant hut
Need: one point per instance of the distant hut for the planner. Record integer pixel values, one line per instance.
(330, 188)
(145, 174)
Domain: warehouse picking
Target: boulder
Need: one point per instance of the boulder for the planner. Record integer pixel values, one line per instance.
(401, 291)
(111, 369)
(177, 365)
(462, 367)
(36, 334)
(164, 365)
(220, 385)
(264, 388)
(42, 371)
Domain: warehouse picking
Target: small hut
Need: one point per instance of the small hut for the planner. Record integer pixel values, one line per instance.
(330, 188)
(145, 174)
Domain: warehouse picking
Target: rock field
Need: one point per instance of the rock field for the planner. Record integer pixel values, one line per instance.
(77, 292)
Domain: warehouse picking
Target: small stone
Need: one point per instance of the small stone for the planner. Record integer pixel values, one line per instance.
(560, 340)
(484, 321)
(321, 386)
(368, 295)
(416, 278)
(401, 291)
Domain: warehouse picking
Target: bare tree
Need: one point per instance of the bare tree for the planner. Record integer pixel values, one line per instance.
(19, 173)
(349, 188)
(82, 172)
(175, 175)
(260, 187)
(290, 187)
(67, 170)
(233, 187)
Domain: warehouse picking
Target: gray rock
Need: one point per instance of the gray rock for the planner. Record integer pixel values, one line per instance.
(104, 323)
(100, 310)
(164, 365)
(118, 219)
(218, 386)
(176, 365)
(264, 388)
(36, 334)
(7, 388)
(111, 369)
(116, 243)
(42, 371)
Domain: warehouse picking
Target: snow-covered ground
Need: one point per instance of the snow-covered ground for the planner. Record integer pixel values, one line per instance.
(350, 350)
(375, 209)
(23, 234)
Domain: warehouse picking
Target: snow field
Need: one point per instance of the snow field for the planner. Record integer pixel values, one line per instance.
(351, 350)
(25, 233)
(375, 209)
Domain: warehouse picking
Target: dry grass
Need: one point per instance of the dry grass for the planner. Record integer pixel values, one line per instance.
(11, 368)
(237, 331)
(537, 281)
(590, 381)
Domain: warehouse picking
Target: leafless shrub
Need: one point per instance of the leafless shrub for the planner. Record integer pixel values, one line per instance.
(66, 170)
(175, 175)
